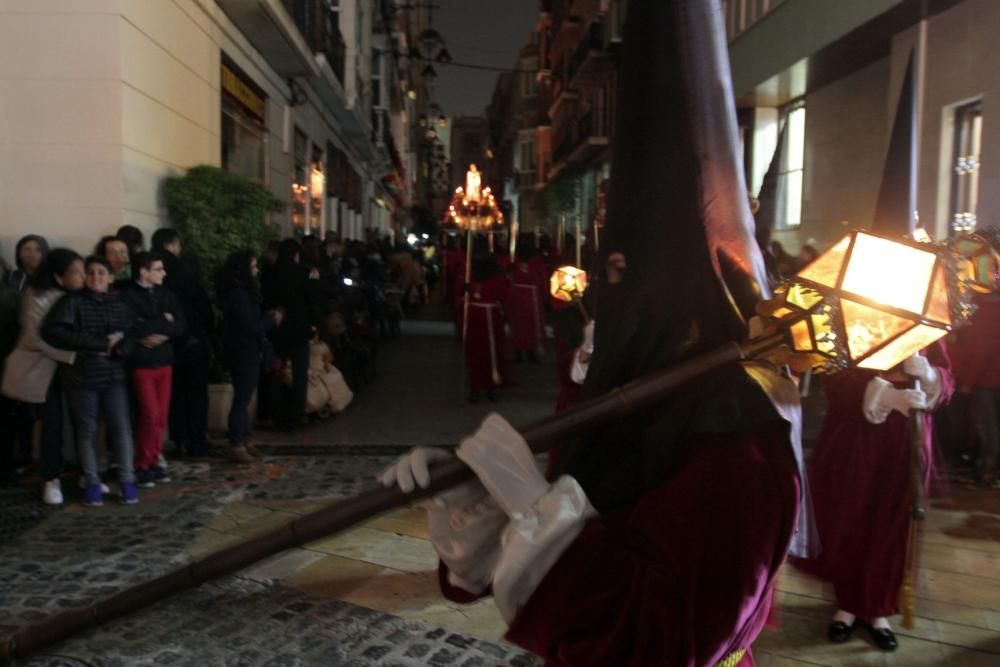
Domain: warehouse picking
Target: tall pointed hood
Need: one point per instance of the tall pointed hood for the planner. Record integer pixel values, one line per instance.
(767, 215)
(897, 198)
(677, 206)
(678, 211)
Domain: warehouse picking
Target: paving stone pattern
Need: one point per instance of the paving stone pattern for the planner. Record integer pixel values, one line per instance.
(273, 627)
(79, 555)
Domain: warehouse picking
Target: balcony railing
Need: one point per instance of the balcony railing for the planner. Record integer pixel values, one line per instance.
(592, 129)
(318, 23)
(591, 43)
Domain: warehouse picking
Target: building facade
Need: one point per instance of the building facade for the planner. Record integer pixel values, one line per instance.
(833, 73)
(126, 93)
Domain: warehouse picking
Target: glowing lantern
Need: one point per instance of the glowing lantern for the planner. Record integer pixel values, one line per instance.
(869, 301)
(979, 263)
(568, 283)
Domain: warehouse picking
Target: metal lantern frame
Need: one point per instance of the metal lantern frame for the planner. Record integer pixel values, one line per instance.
(822, 313)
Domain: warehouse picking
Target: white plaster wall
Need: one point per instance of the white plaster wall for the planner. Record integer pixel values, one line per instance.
(60, 121)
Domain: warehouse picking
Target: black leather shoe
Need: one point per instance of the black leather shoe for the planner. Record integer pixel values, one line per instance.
(883, 638)
(839, 632)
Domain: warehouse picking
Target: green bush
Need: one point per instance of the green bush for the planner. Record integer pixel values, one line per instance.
(218, 213)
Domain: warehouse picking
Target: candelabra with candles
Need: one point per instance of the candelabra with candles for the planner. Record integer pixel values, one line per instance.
(472, 209)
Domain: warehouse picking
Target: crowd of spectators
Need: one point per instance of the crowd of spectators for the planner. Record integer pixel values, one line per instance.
(110, 356)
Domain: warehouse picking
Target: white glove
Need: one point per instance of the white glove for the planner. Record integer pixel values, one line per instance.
(581, 357)
(881, 398)
(463, 523)
(917, 366)
(501, 459)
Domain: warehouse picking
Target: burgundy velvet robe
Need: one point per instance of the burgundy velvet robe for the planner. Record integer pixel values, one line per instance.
(683, 577)
(859, 479)
(486, 346)
(526, 306)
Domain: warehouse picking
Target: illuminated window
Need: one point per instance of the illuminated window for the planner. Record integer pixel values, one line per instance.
(965, 176)
(792, 163)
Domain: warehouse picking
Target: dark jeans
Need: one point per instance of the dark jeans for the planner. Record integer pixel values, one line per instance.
(88, 405)
(189, 402)
(8, 441)
(51, 413)
(298, 355)
(245, 374)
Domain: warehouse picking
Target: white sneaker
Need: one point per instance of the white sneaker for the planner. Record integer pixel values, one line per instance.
(105, 489)
(161, 461)
(52, 494)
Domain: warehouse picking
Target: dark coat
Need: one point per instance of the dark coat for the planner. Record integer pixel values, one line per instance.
(182, 280)
(243, 327)
(149, 305)
(82, 322)
(288, 289)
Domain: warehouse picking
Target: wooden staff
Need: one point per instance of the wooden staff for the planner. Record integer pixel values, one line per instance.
(914, 538)
(341, 515)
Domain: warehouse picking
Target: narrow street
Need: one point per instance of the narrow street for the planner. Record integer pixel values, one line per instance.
(369, 596)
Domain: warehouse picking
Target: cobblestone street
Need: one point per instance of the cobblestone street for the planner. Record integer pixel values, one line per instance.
(369, 596)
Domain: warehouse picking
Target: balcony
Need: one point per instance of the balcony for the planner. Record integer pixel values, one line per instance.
(585, 61)
(271, 29)
(577, 142)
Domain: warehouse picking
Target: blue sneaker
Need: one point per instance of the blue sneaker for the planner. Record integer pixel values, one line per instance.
(93, 496)
(144, 478)
(130, 496)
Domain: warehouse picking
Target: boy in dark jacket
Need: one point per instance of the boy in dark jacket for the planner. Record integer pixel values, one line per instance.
(158, 318)
(93, 323)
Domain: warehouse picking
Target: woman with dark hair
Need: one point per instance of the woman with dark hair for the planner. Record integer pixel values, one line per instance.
(29, 253)
(31, 367)
(244, 347)
(94, 323)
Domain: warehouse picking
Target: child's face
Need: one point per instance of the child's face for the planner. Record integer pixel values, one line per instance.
(98, 278)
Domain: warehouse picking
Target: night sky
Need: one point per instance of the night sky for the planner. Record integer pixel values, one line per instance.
(482, 32)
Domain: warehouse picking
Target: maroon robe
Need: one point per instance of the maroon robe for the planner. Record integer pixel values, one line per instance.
(859, 479)
(486, 345)
(684, 577)
(526, 306)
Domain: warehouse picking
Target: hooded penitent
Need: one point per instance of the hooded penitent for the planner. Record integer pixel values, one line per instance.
(897, 197)
(678, 211)
(767, 215)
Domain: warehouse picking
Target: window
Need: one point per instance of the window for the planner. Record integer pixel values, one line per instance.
(528, 84)
(376, 78)
(965, 177)
(317, 190)
(244, 128)
(300, 183)
(792, 163)
(527, 157)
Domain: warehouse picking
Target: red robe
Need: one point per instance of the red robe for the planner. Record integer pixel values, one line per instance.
(859, 479)
(486, 345)
(976, 356)
(684, 577)
(526, 305)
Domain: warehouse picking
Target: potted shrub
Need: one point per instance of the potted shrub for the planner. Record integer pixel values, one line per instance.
(217, 213)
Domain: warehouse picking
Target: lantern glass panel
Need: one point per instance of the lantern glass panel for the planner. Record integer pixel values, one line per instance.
(890, 273)
(803, 297)
(937, 307)
(905, 346)
(801, 339)
(868, 328)
(825, 341)
(826, 268)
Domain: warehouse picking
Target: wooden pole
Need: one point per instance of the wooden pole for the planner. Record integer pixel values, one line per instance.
(908, 590)
(579, 246)
(344, 514)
